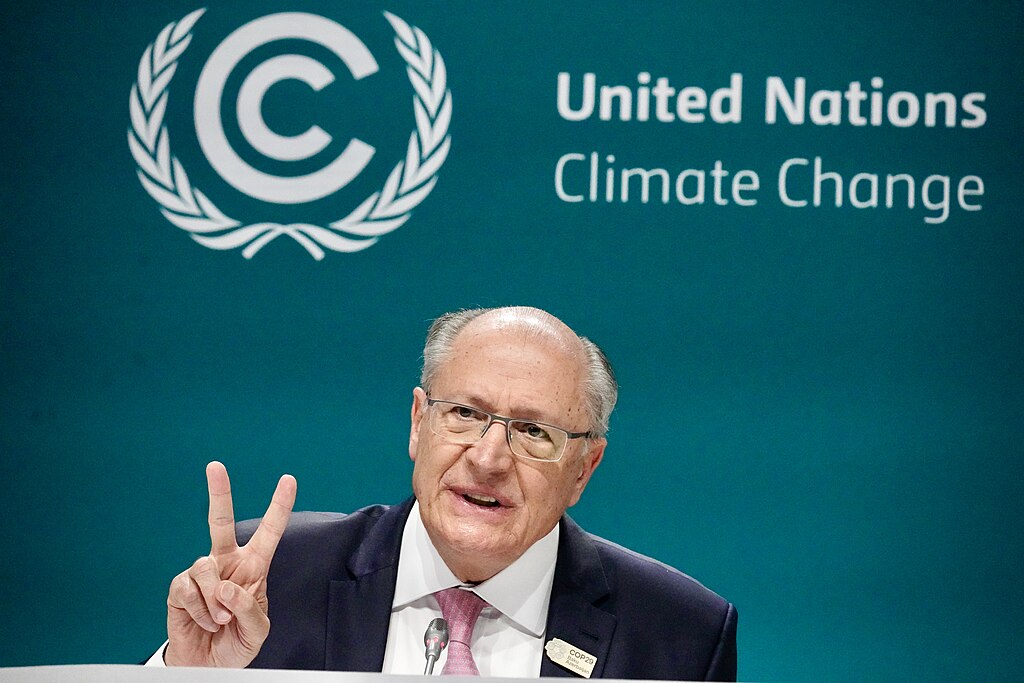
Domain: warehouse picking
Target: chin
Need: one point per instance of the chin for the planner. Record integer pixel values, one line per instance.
(481, 546)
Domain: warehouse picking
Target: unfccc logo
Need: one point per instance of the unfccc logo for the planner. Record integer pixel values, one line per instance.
(164, 178)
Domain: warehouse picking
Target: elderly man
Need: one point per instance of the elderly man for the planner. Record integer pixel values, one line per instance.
(507, 428)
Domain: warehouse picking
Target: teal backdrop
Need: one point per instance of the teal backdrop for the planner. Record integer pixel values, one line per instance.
(822, 407)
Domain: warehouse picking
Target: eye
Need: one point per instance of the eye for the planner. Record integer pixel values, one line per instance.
(533, 431)
(465, 412)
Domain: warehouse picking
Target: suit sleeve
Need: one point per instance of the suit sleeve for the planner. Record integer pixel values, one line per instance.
(723, 661)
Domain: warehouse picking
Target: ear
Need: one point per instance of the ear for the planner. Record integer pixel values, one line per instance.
(589, 460)
(419, 405)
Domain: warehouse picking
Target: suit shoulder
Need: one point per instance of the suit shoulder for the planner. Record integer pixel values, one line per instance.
(695, 628)
(641, 574)
(317, 545)
(304, 527)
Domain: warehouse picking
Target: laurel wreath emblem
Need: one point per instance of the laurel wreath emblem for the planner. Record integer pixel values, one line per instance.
(408, 184)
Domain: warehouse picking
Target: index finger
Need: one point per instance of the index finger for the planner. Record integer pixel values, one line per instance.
(272, 526)
(222, 512)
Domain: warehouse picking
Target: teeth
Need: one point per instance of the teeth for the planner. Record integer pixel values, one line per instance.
(482, 500)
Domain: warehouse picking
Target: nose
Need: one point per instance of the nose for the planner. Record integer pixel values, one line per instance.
(491, 454)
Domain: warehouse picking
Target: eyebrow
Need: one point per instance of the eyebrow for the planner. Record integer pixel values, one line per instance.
(476, 401)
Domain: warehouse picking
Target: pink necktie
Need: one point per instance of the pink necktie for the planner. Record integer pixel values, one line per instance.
(460, 609)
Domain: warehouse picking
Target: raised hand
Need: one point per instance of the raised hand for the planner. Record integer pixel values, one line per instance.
(217, 608)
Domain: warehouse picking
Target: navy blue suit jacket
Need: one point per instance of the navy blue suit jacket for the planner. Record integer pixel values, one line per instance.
(332, 583)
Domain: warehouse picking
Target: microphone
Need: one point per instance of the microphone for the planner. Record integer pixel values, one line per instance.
(435, 639)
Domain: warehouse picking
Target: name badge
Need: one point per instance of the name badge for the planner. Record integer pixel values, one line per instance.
(571, 657)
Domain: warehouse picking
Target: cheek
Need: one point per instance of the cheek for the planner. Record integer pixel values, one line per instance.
(421, 470)
(550, 492)
(431, 463)
(566, 485)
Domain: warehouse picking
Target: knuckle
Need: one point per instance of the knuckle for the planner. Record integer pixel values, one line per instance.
(258, 626)
(273, 526)
(197, 609)
(204, 568)
(221, 520)
(190, 594)
(179, 586)
(192, 602)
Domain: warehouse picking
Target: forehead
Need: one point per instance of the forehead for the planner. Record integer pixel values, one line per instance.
(524, 373)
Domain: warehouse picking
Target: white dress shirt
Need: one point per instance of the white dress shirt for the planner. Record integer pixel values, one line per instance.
(508, 640)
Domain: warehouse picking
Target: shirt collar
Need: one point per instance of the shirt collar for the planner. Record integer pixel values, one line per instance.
(521, 591)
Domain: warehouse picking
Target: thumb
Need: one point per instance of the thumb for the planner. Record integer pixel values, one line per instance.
(251, 623)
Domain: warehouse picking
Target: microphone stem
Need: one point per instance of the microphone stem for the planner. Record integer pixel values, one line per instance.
(429, 668)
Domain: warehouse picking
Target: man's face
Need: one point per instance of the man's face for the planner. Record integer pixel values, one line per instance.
(502, 372)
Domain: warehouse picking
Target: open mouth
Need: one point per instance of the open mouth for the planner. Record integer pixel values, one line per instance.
(482, 501)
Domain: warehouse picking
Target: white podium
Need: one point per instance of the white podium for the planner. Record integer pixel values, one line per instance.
(124, 673)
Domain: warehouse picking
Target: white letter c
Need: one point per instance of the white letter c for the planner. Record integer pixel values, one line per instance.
(209, 90)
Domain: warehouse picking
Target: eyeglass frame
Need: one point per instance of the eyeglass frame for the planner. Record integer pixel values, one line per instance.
(492, 418)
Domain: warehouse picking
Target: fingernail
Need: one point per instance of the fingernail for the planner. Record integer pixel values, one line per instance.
(223, 617)
(227, 591)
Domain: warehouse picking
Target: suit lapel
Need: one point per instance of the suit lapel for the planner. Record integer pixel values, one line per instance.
(578, 585)
(359, 605)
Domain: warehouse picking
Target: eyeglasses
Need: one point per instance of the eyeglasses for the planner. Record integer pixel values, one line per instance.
(466, 425)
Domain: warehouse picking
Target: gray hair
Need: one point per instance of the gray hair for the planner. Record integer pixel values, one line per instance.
(600, 390)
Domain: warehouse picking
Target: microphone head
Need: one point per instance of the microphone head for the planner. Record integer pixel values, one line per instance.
(435, 638)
